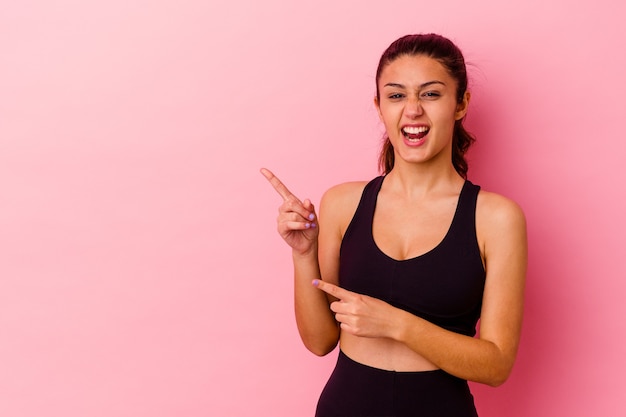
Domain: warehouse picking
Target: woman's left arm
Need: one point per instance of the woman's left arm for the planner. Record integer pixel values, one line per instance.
(488, 358)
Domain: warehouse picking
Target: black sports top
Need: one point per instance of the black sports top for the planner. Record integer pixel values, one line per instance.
(444, 286)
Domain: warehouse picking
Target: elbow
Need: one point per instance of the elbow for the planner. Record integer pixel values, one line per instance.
(498, 376)
(496, 381)
(498, 368)
(321, 352)
(320, 345)
(321, 349)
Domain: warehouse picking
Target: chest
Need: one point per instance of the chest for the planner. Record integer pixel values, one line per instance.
(407, 230)
(424, 259)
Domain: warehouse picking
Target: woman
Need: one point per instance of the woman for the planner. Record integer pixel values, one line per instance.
(403, 266)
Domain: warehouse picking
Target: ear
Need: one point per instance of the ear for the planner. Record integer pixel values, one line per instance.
(377, 105)
(461, 108)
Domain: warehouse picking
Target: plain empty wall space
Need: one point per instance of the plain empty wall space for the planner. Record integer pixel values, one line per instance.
(140, 270)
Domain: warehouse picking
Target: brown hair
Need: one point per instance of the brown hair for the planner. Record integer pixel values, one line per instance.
(450, 56)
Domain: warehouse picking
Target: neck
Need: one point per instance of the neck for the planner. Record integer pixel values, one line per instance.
(417, 180)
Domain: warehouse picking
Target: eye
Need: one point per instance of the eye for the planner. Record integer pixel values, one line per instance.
(395, 96)
(431, 94)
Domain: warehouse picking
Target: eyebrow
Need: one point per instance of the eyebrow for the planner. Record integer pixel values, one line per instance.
(426, 84)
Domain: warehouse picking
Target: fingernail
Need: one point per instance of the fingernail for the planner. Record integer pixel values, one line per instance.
(307, 225)
(316, 282)
(311, 216)
(313, 225)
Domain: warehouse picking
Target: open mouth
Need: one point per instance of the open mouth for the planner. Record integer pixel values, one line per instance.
(415, 133)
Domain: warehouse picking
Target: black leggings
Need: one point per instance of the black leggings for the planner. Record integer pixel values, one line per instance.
(357, 390)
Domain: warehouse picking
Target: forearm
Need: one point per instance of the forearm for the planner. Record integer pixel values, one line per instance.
(469, 358)
(316, 323)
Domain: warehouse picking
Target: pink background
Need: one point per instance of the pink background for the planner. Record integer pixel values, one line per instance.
(140, 271)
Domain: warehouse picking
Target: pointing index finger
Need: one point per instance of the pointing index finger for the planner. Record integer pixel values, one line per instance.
(278, 185)
(334, 290)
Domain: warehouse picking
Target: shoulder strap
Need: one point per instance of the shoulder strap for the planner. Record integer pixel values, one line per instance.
(361, 222)
(464, 223)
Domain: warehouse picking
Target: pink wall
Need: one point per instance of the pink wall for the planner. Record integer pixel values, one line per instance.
(140, 273)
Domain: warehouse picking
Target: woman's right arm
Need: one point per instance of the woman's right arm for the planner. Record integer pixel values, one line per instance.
(298, 226)
(316, 323)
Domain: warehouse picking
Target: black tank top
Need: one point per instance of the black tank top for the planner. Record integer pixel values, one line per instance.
(444, 286)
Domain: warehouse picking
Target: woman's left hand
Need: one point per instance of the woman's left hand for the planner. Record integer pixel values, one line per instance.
(359, 314)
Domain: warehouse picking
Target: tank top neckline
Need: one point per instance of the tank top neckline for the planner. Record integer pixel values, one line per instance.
(376, 190)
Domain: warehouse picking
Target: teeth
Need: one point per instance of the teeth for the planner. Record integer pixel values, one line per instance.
(414, 130)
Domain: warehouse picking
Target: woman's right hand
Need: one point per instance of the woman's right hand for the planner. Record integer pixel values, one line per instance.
(297, 221)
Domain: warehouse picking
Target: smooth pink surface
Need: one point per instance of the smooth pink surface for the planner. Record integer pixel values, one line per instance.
(140, 271)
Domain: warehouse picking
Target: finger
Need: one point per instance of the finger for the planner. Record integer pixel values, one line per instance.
(289, 226)
(310, 208)
(308, 205)
(345, 327)
(333, 290)
(339, 307)
(278, 185)
(292, 207)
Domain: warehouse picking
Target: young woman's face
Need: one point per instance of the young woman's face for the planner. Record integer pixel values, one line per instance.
(418, 106)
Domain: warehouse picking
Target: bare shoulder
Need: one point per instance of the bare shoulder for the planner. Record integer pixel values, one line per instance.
(345, 193)
(499, 221)
(339, 203)
(497, 210)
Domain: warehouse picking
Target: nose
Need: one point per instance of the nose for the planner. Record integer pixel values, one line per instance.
(413, 107)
